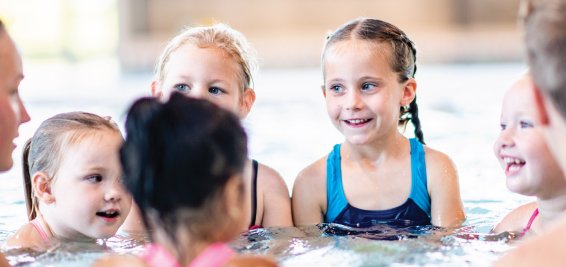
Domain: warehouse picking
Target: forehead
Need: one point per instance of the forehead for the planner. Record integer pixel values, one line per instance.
(10, 61)
(370, 55)
(519, 98)
(189, 57)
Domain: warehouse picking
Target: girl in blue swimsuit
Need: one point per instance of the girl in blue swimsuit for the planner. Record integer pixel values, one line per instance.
(376, 175)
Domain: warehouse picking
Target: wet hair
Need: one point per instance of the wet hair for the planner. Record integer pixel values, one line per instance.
(177, 159)
(1, 26)
(44, 151)
(220, 36)
(545, 36)
(403, 56)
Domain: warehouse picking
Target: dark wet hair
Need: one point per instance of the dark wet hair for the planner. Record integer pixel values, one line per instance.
(1, 26)
(545, 36)
(44, 151)
(177, 159)
(403, 58)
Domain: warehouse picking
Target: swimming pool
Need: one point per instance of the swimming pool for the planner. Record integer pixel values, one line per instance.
(289, 128)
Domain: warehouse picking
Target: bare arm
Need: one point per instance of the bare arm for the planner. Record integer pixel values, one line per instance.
(516, 220)
(275, 196)
(309, 195)
(3, 261)
(447, 209)
(544, 250)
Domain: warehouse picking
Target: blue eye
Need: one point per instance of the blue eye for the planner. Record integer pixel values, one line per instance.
(368, 86)
(182, 87)
(94, 178)
(503, 126)
(337, 88)
(527, 124)
(215, 90)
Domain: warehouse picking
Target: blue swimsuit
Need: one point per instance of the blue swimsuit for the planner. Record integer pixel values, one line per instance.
(415, 211)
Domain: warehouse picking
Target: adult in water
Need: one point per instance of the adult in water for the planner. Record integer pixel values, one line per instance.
(12, 111)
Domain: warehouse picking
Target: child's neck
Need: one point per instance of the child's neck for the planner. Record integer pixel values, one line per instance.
(550, 209)
(53, 232)
(378, 150)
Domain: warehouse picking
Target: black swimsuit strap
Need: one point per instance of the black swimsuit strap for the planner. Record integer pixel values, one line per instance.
(254, 191)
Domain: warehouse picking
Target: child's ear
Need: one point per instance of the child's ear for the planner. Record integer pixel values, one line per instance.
(42, 187)
(409, 92)
(155, 89)
(248, 100)
(323, 91)
(540, 105)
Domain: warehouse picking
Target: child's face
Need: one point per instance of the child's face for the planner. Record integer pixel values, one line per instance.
(362, 92)
(207, 73)
(520, 147)
(90, 200)
(12, 111)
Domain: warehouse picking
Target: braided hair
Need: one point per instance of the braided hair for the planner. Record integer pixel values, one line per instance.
(403, 59)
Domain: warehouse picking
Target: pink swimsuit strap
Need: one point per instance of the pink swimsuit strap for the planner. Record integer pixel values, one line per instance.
(155, 255)
(215, 255)
(530, 223)
(39, 228)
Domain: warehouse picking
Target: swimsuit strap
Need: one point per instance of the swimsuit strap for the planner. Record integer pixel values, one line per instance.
(215, 255)
(156, 256)
(39, 228)
(530, 223)
(254, 194)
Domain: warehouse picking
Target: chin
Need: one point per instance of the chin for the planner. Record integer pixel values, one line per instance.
(6, 165)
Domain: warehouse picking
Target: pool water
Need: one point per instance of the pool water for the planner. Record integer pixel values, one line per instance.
(288, 127)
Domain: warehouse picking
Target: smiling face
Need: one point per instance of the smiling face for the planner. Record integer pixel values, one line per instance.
(362, 93)
(520, 147)
(89, 199)
(207, 73)
(12, 111)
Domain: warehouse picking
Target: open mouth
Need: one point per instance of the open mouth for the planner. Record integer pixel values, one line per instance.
(357, 122)
(109, 214)
(513, 165)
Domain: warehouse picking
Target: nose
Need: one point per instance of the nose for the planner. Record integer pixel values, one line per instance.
(199, 91)
(505, 138)
(353, 100)
(24, 116)
(114, 191)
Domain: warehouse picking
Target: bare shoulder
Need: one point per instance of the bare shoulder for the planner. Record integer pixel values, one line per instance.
(437, 162)
(544, 250)
(119, 261)
(246, 261)
(25, 237)
(312, 175)
(517, 219)
(270, 180)
(309, 194)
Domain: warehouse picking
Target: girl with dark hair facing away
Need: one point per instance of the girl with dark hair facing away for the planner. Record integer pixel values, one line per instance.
(376, 175)
(183, 162)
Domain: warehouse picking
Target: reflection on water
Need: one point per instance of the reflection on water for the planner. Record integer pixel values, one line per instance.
(289, 128)
(323, 245)
(416, 246)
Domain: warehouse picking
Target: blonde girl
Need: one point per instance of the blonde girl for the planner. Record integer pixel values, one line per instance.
(73, 182)
(216, 63)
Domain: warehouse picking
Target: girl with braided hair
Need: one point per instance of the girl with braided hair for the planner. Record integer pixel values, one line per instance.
(376, 175)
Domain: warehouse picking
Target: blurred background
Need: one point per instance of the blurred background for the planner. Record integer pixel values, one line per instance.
(285, 33)
(98, 56)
